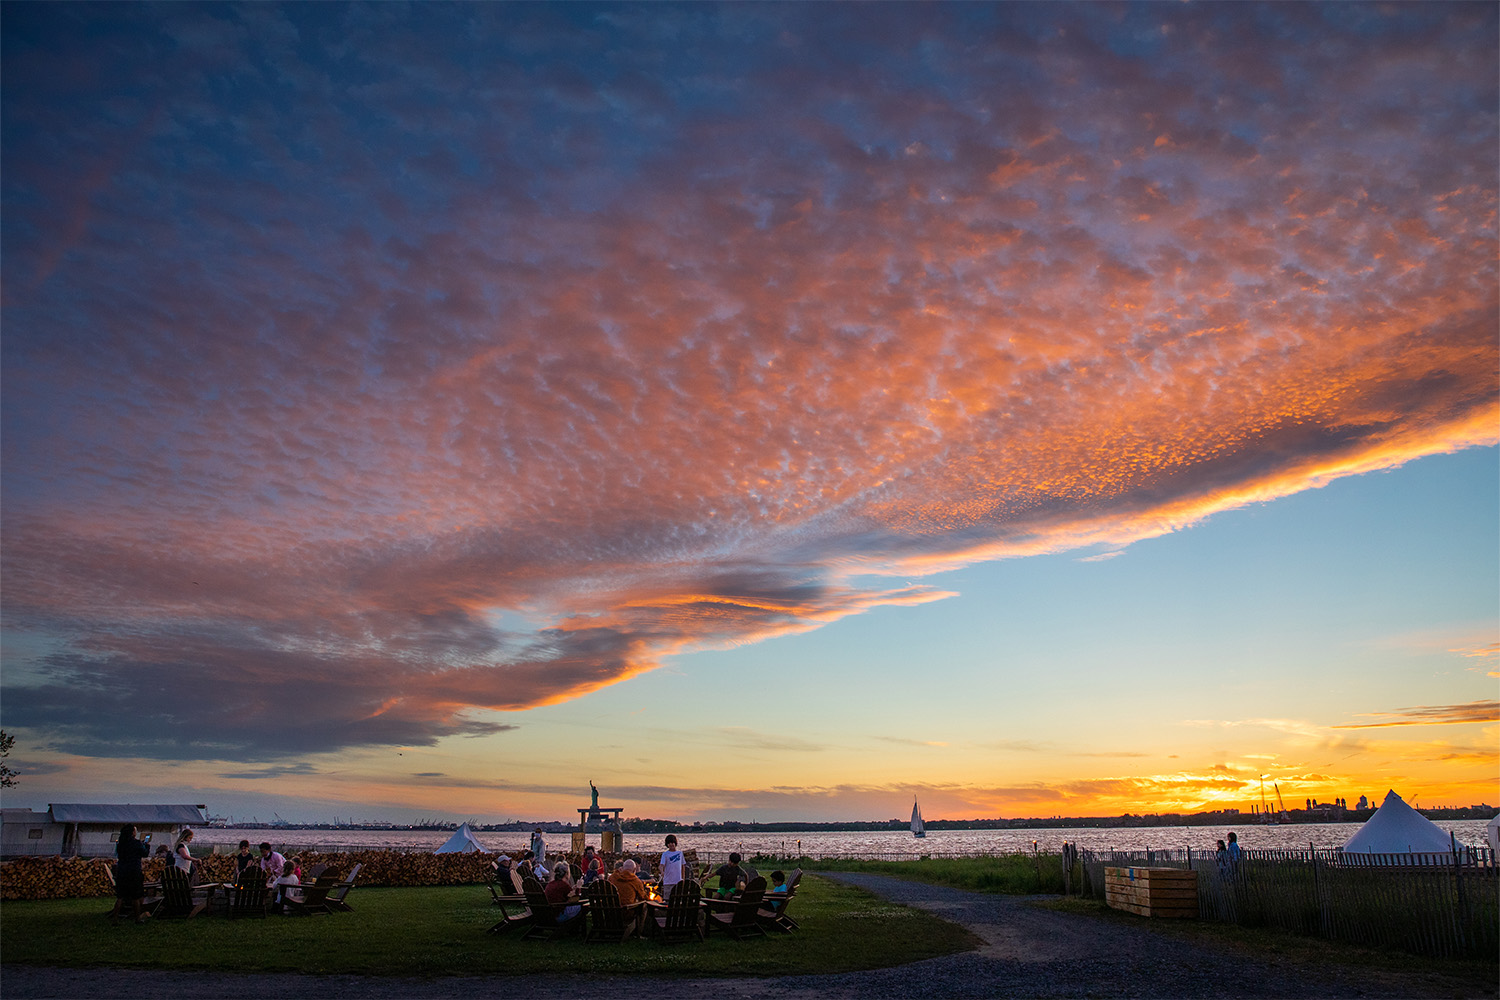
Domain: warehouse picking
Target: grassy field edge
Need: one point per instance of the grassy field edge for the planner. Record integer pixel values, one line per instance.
(440, 931)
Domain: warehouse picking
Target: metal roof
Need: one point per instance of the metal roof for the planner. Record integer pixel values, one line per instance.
(82, 812)
(21, 815)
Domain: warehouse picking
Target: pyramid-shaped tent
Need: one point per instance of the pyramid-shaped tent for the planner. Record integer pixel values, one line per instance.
(462, 842)
(1397, 828)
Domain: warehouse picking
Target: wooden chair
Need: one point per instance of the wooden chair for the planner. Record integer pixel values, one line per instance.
(335, 898)
(772, 914)
(682, 914)
(504, 895)
(609, 919)
(178, 898)
(249, 896)
(547, 918)
(150, 891)
(508, 921)
(313, 898)
(739, 920)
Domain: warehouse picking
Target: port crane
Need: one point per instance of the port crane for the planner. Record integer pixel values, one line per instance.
(1265, 808)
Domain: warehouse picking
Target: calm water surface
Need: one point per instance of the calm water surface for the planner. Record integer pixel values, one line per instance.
(890, 843)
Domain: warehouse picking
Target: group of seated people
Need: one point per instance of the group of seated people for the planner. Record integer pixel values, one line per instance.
(561, 880)
(281, 872)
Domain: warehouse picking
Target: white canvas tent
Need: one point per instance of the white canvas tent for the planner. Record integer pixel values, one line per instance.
(1492, 835)
(462, 842)
(1397, 828)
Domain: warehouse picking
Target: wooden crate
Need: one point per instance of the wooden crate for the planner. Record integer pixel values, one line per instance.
(1152, 892)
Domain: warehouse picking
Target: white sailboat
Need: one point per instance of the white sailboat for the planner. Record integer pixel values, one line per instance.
(917, 829)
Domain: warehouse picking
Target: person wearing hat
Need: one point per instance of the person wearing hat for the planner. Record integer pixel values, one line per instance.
(506, 876)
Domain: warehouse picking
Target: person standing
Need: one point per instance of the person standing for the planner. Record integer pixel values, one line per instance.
(1233, 849)
(538, 849)
(673, 865)
(182, 856)
(130, 879)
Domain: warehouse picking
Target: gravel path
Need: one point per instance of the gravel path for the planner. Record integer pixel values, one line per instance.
(1028, 952)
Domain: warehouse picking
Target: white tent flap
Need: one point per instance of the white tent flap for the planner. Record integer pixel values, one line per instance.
(1397, 828)
(462, 842)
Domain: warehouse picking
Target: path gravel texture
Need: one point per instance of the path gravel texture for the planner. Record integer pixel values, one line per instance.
(1028, 952)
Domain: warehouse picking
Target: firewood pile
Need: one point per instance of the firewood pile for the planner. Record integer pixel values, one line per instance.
(63, 878)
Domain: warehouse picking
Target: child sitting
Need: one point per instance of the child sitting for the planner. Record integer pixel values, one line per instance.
(732, 877)
(778, 884)
(284, 893)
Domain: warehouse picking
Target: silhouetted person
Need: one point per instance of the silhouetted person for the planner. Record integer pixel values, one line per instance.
(130, 879)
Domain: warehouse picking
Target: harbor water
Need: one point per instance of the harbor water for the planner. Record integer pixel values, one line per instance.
(890, 844)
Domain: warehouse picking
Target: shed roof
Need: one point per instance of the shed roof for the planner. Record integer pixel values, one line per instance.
(83, 812)
(23, 815)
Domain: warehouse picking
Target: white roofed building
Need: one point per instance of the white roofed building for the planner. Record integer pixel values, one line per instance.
(74, 829)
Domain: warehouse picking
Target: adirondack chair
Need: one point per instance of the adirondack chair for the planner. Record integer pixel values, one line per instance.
(682, 916)
(609, 919)
(504, 895)
(313, 898)
(335, 898)
(178, 898)
(149, 898)
(509, 921)
(772, 914)
(739, 921)
(249, 897)
(546, 918)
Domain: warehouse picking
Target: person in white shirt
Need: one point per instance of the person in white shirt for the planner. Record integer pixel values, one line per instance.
(283, 884)
(673, 867)
(181, 856)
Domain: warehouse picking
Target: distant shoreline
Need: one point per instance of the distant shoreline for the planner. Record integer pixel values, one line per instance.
(1126, 821)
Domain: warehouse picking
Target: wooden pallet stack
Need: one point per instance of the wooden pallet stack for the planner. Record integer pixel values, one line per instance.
(1153, 892)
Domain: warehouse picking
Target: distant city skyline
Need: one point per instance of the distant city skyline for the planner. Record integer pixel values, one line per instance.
(776, 411)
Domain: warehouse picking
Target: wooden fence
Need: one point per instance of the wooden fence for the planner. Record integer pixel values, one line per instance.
(1440, 904)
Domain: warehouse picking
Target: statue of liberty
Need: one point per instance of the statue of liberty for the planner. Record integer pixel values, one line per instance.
(594, 805)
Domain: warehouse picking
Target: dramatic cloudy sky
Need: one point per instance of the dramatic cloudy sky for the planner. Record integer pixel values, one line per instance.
(761, 410)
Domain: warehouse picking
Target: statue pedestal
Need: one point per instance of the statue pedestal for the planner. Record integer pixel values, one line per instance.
(592, 820)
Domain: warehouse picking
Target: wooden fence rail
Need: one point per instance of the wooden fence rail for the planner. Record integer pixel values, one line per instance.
(1440, 905)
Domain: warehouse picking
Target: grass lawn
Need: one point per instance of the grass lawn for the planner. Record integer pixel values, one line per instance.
(441, 932)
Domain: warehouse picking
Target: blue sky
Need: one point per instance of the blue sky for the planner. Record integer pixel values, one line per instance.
(755, 408)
